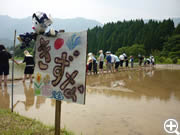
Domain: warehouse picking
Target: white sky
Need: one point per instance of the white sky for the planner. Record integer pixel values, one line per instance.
(101, 10)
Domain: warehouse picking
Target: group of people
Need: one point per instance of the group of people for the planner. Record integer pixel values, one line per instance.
(113, 62)
(4, 65)
(147, 61)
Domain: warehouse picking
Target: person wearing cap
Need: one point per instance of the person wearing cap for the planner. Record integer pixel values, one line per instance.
(152, 60)
(101, 61)
(4, 64)
(29, 69)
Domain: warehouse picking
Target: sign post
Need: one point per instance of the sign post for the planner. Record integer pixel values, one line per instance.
(60, 71)
(58, 118)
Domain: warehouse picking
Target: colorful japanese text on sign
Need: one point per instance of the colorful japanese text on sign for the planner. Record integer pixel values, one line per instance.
(60, 66)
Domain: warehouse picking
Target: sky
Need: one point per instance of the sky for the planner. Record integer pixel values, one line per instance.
(100, 10)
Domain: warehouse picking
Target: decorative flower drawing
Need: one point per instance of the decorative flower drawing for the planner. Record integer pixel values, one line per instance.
(37, 84)
(38, 77)
(73, 41)
(57, 95)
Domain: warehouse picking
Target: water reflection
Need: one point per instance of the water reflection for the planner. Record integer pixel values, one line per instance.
(117, 103)
(146, 82)
(29, 95)
(40, 100)
(4, 98)
(30, 99)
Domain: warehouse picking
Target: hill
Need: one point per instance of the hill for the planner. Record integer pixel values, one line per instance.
(8, 25)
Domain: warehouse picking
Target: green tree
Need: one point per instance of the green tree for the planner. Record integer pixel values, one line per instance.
(136, 49)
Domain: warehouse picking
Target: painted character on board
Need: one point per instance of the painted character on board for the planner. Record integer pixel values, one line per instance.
(46, 88)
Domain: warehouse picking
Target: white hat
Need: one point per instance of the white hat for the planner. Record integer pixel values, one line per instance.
(108, 52)
(89, 54)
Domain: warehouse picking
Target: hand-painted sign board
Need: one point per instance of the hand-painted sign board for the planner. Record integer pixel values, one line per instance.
(60, 70)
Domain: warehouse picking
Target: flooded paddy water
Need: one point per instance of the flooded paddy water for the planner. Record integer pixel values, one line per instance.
(133, 102)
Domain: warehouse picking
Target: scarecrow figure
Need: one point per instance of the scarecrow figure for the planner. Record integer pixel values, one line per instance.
(40, 23)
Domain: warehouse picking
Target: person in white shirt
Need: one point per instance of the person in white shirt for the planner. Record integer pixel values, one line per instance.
(117, 62)
(112, 62)
(101, 61)
(121, 57)
(152, 60)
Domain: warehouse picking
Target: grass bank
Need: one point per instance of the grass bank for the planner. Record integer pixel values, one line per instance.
(14, 124)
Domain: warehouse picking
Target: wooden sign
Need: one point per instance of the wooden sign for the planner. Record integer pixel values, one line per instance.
(61, 67)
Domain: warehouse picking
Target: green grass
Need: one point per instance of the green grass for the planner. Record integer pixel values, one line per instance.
(14, 124)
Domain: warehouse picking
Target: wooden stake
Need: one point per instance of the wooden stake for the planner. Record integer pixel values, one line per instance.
(58, 118)
(13, 71)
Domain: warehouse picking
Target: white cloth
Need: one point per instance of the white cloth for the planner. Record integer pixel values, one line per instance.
(112, 58)
(121, 57)
(116, 58)
(101, 57)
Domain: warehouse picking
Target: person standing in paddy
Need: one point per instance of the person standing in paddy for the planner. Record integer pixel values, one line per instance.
(29, 69)
(108, 62)
(4, 64)
(90, 63)
(121, 58)
(101, 61)
(117, 62)
(132, 61)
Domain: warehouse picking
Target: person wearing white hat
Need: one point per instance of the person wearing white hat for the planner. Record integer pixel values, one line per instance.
(152, 60)
(90, 62)
(101, 61)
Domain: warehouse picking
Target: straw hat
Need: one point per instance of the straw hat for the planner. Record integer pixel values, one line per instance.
(26, 53)
(100, 51)
(89, 54)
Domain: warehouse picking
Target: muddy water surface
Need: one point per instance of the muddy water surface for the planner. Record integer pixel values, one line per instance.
(124, 103)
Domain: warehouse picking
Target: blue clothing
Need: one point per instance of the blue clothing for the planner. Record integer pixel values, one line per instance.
(108, 58)
(93, 58)
(131, 59)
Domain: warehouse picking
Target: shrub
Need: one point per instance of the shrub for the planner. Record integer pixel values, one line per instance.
(162, 59)
(168, 61)
(174, 60)
(178, 61)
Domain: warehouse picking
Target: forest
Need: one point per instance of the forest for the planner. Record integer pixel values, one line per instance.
(158, 38)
